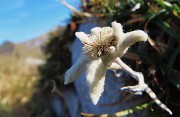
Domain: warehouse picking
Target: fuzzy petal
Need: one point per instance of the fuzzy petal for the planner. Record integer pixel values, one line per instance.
(95, 78)
(83, 37)
(96, 30)
(76, 69)
(133, 37)
(117, 27)
(114, 66)
(118, 30)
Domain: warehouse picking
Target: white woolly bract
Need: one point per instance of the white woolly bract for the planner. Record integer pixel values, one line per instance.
(83, 37)
(95, 79)
(76, 69)
(96, 30)
(157, 101)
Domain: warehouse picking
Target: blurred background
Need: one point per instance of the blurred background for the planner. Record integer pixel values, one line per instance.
(38, 45)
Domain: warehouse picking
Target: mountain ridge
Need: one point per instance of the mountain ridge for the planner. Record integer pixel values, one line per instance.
(31, 47)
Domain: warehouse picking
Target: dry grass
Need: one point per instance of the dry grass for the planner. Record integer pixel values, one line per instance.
(17, 84)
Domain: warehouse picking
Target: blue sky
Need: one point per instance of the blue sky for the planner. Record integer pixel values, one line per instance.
(21, 20)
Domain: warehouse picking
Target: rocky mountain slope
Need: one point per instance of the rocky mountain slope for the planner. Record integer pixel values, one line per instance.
(27, 48)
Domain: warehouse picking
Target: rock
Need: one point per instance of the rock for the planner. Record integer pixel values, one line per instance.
(7, 48)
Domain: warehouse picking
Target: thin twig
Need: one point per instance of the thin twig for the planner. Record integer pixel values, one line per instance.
(150, 40)
(75, 10)
(154, 45)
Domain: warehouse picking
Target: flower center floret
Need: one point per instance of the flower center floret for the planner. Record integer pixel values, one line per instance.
(100, 42)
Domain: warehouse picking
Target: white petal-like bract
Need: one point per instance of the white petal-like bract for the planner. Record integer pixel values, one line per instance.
(83, 37)
(76, 69)
(95, 79)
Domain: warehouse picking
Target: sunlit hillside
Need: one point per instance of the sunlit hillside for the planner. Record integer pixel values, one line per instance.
(18, 75)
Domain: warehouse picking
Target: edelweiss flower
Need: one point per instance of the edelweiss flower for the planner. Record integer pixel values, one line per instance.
(101, 51)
